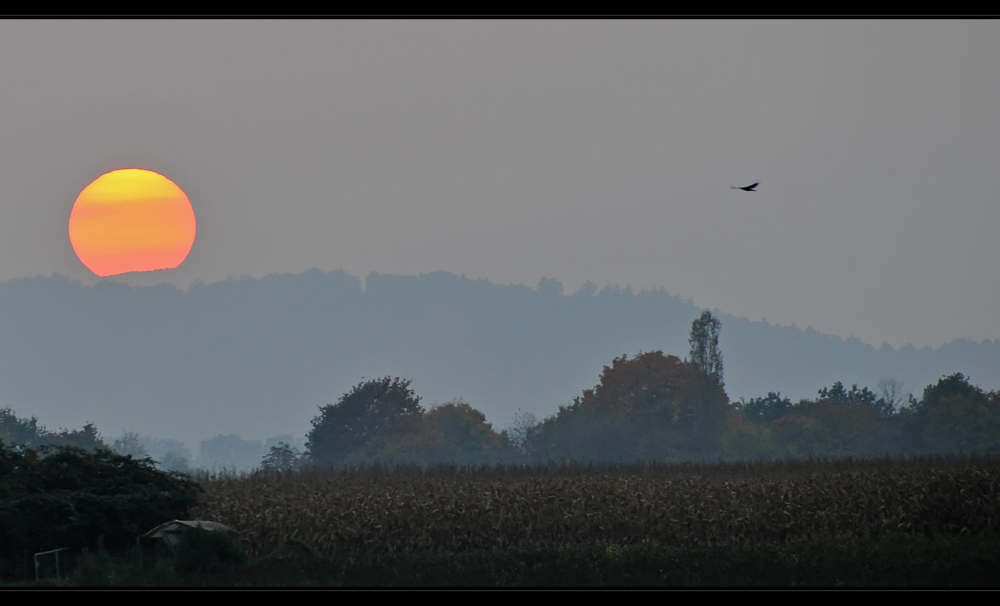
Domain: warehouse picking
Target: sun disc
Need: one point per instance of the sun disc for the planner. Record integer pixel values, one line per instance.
(131, 220)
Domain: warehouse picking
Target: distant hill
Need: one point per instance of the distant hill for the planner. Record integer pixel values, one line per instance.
(256, 357)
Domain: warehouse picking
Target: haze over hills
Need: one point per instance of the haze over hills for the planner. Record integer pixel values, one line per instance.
(255, 357)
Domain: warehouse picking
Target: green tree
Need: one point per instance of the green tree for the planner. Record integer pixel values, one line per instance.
(954, 415)
(837, 394)
(704, 341)
(15, 431)
(87, 438)
(464, 436)
(766, 410)
(373, 411)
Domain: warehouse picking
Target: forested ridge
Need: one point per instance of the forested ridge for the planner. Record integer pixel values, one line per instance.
(255, 357)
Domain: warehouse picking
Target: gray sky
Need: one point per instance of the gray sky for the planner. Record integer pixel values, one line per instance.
(512, 150)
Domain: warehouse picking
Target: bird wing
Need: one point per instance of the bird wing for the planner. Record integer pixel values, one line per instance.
(748, 187)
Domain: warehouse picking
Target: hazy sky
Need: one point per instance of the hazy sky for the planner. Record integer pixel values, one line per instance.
(512, 150)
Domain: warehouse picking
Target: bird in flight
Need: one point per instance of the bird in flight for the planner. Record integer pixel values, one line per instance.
(747, 188)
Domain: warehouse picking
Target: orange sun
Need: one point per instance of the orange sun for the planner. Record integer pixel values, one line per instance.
(131, 220)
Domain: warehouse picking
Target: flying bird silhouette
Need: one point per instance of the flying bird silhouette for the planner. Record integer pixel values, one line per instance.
(747, 188)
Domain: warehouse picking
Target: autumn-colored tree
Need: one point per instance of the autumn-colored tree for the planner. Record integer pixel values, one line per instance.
(649, 384)
(744, 437)
(798, 436)
(849, 428)
(649, 406)
(453, 433)
(840, 422)
(464, 436)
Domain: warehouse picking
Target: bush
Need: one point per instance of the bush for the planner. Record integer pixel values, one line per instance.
(68, 497)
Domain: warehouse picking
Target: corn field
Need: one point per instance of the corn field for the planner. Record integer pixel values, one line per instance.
(380, 511)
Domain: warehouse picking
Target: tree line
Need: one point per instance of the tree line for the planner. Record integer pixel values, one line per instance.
(222, 452)
(655, 406)
(652, 406)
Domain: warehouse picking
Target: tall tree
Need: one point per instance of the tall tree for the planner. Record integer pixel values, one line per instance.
(704, 340)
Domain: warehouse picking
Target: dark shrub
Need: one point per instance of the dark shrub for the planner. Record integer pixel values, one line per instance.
(69, 497)
(204, 552)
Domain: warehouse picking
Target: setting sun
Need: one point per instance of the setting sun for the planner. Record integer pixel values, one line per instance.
(131, 220)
